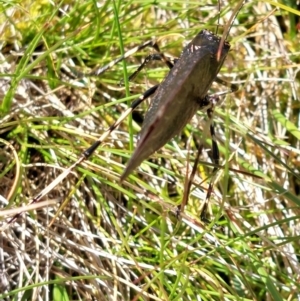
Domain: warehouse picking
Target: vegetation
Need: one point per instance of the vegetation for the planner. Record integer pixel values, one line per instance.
(94, 238)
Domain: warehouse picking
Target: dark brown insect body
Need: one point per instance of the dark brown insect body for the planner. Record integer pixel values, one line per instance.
(180, 95)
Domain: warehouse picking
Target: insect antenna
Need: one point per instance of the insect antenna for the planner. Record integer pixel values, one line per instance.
(218, 24)
(228, 27)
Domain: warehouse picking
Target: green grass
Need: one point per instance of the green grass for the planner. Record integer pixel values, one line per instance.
(94, 238)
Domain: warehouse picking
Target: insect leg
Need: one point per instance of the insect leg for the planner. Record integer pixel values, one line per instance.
(158, 56)
(149, 58)
(233, 87)
(215, 159)
(88, 152)
(213, 100)
(101, 70)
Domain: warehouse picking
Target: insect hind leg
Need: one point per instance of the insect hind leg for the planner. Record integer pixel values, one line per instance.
(87, 153)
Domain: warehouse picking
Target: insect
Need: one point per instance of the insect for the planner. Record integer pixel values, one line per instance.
(177, 99)
(181, 94)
